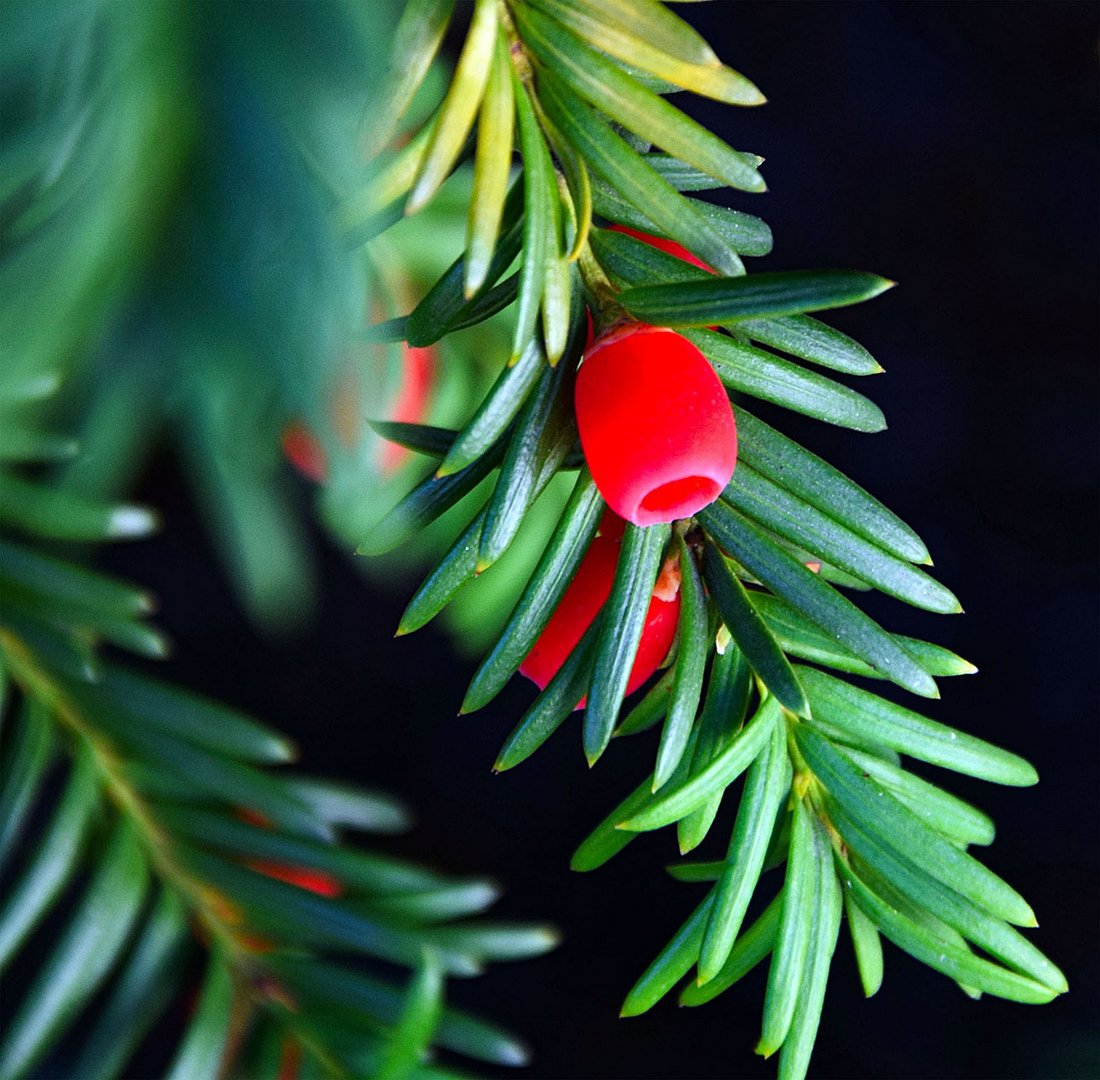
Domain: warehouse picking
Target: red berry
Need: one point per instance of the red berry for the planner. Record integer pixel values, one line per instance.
(611, 525)
(304, 452)
(314, 881)
(307, 455)
(669, 246)
(411, 406)
(656, 426)
(588, 590)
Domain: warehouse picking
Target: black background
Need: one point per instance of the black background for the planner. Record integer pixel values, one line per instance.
(953, 148)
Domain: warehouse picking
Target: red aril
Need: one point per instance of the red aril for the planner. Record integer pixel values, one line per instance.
(655, 423)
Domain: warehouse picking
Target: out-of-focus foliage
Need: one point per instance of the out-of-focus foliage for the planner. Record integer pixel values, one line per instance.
(172, 273)
(142, 826)
(169, 248)
(175, 253)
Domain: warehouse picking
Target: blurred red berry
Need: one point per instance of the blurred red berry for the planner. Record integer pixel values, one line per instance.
(411, 405)
(655, 423)
(304, 452)
(314, 881)
(582, 601)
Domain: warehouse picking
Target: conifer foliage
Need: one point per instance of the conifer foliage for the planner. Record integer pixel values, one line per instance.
(175, 893)
(756, 704)
(207, 212)
(143, 826)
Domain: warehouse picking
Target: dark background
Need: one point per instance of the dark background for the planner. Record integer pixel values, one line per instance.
(952, 147)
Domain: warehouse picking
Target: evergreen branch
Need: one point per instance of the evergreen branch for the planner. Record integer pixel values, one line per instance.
(364, 905)
(752, 581)
(758, 569)
(172, 834)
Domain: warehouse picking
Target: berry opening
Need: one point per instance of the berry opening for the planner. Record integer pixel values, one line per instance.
(678, 498)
